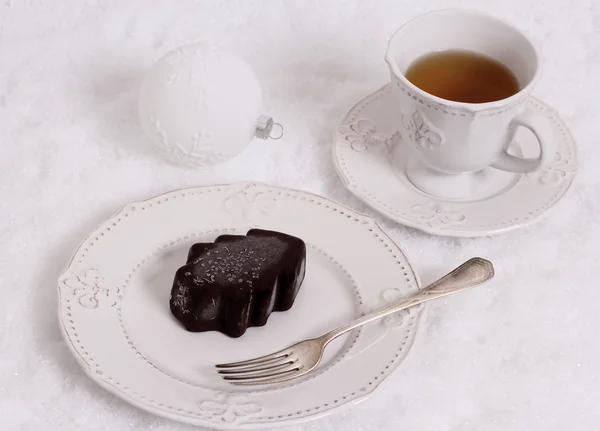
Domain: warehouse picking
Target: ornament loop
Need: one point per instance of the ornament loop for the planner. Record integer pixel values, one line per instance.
(265, 126)
(278, 134)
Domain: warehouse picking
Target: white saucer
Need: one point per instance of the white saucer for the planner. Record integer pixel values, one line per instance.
(115, 317)
(370, 157)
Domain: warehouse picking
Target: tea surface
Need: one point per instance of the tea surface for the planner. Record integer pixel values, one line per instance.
(463, 76)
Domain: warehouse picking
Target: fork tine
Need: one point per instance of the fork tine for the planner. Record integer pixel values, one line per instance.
(271, 381)
(273, 366)
(259, 360)
(267, 374)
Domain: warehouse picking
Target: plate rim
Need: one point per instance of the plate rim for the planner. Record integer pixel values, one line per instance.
(447, 232)
(114, 390)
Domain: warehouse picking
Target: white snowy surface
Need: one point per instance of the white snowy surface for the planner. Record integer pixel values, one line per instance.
(522, 353)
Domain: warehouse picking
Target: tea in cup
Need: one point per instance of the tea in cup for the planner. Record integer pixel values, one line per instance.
(461, 80)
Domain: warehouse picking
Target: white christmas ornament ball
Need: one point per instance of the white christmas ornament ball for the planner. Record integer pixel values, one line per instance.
(199, 106)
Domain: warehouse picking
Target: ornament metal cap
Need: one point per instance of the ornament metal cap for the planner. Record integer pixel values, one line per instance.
(266, 128)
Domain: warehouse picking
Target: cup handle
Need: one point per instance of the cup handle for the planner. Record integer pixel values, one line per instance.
(541, 128)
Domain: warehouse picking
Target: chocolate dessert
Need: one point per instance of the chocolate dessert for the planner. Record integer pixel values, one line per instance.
(237, 281)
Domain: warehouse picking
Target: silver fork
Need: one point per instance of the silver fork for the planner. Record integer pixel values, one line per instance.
(303, 357)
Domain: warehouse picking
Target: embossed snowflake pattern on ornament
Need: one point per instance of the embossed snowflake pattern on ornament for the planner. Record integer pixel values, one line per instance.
(201, 152)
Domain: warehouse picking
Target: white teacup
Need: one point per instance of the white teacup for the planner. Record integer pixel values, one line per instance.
(454, 144)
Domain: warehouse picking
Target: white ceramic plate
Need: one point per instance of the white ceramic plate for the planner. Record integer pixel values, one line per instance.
(371, 159)
(115, 317)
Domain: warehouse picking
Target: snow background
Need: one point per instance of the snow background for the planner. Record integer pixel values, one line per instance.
(519, 354)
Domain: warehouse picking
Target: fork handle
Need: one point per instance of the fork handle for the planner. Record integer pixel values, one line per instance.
(472, 273)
